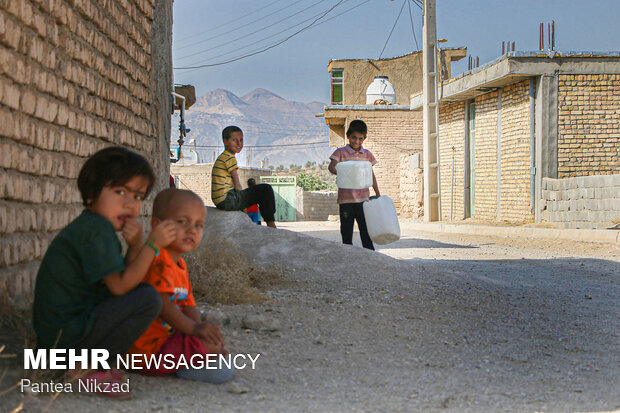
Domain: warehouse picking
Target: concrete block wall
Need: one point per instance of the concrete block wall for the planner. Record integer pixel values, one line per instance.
(588, 125)
(391, 133)
(411, 189)
(75, 77)
(316, 205)
(452, 133)
(581, 202)
(197, 178)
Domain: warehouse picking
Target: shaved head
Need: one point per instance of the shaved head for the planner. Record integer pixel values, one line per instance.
(167, 200)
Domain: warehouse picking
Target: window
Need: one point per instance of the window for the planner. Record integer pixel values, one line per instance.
(337, 86)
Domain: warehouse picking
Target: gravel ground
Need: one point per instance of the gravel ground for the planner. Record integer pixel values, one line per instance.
(433, 322)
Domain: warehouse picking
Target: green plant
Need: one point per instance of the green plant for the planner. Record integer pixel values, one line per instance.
(309, 181)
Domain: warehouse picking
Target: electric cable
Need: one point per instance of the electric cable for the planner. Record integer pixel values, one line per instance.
(412, 28)
(264, 49)
(238, 19)
(307, 28)
(393, 27)
(269, 26)
(275, 34)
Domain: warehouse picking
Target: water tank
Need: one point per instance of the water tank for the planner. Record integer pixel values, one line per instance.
(380, 89)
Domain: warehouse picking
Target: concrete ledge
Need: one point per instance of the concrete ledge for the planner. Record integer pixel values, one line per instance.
(588, 235)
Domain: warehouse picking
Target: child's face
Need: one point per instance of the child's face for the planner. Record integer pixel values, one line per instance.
(355, 140)
(119, 203)
(189, 220)
(234, 144)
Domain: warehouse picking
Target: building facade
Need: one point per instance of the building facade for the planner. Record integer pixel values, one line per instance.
(527, 117)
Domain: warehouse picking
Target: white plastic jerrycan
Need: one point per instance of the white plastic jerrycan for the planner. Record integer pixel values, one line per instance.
(354, 174)
(381, 220)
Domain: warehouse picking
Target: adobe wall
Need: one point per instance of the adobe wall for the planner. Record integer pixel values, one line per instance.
(75, 77)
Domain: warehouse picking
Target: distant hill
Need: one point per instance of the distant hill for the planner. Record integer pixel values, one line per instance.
(266, 119)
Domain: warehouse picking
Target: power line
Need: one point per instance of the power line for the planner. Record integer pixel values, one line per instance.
(412, 29)
(238, 19)
(266, 48)
(282, 31)
(269, 26)
(388, 39)
(269, 146)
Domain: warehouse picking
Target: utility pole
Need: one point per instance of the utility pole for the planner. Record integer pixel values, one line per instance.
(432, 201)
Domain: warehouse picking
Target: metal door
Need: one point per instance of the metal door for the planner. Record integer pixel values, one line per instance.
(471, 136)
(285, 191)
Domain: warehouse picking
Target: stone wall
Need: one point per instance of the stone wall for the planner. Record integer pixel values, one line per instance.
(588, 125)
(316, 205)
(197, 178)
(75, 77)
(581, 202)
(514, 198)
(391, 134)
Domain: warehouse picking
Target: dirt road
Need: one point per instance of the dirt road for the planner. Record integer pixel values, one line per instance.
(433, 322)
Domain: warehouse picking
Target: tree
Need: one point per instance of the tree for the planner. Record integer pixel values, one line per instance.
(310, 181)
(271, 167)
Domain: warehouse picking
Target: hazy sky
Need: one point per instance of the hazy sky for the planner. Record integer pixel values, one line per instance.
(211, 32)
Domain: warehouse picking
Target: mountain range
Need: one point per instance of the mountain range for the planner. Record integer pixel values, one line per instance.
(282, 131)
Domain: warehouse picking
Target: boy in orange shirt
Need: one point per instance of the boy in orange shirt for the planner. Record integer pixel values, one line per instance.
(178, 330)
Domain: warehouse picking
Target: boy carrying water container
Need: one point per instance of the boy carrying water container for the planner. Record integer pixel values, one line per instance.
(351, 201)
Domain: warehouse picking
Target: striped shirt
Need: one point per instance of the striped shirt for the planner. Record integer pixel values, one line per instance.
(221, 179)
(346, 153)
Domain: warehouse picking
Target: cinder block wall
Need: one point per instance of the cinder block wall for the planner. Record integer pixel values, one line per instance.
(75, 77)
(452, 133)
(391, 133)
(588, 125)
(316, 205)
(581, 202)
(515, 152)
(197, 178)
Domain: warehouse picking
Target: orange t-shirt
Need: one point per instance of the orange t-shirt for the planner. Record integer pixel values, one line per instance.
(167, 277)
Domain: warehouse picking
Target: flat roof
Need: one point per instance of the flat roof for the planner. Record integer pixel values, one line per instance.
(459, 48)
(516, 66)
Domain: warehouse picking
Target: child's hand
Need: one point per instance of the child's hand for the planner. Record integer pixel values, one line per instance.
(132, 232)
(210, 334)
(163, 234)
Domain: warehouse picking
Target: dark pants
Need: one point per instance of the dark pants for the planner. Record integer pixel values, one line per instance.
(261, 194)
(120, 320)
(348, 214)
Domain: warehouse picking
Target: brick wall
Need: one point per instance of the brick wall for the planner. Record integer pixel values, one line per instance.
(75, 77)
(197, 178)
(316, 205)
(515, 174)
(581, 202)
(588, 125)
(391, 134)
(515, 156)
(452, 133)
(485, 163)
